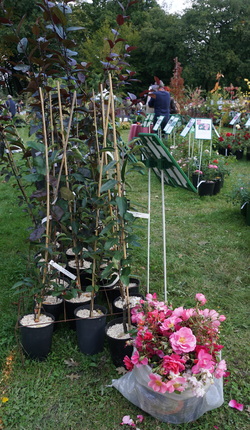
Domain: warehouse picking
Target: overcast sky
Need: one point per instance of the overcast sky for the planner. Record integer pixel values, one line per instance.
(175, 5)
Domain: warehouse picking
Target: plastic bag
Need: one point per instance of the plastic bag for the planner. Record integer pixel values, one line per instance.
(168, 407)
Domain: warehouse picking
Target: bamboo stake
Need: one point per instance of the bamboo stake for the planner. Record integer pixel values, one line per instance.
(65, 164)
(120, 193)
(48, 196)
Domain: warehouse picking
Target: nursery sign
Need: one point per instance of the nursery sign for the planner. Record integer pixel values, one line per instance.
(171, 124)
(203, 128)
(157, 156)
(188, 127)
(235, 119)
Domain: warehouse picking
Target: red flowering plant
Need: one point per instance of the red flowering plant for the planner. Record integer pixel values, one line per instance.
(179, 345)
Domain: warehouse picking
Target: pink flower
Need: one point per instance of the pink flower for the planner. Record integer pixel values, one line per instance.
(137, 361)
(220, 369)
(212, 166)
(177, 384)
(204, 361)
(173, 363)
(128, 363)
(236, 405)
(157, 384)
(200, 297)
(183, 341)
(127, 420)
(169, 324)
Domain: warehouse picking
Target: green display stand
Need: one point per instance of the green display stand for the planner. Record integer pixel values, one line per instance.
(157, 156)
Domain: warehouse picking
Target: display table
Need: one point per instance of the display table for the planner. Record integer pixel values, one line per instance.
(135, 129)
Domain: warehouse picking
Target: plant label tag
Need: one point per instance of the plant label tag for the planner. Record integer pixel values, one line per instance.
(248, 123)
(188, 127)
(139, 214)
(171, 124)
(61, 269)
(235, 119)
(45, 219)
(158, 122)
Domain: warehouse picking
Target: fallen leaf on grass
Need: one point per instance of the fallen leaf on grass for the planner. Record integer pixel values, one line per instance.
(121, 370)
(71, 362)
(73, 376)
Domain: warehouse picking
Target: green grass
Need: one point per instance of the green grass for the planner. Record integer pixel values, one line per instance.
(207, 251)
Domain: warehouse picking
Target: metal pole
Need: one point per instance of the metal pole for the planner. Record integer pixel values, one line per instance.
(164, 237)
(149, 207)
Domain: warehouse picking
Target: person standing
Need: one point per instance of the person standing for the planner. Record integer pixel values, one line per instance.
(160, 101)
(11, 105)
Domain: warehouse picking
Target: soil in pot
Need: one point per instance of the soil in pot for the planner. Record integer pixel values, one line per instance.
(72, 304)
(90, 331)
(117, 341)
(85, 276)
(119, 302)
(36, 337)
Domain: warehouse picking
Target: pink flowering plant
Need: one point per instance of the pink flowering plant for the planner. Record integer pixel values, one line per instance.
(181, 346)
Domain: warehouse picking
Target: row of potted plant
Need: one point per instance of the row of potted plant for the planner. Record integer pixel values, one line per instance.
(235, 143)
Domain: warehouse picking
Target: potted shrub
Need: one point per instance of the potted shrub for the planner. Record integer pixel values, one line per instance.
(240, 195)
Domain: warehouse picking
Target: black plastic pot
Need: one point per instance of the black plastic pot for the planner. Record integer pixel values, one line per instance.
(111, 292)
(206, 188)
(91, 331)
(36, 342)
(217, 186)
(118, 347)
(54, 309)
(70, 308)
(239, 154)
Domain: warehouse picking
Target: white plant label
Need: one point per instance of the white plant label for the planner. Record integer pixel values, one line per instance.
(61, 269)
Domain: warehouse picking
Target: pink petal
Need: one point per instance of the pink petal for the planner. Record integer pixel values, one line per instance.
(236, 405)
(140, 418)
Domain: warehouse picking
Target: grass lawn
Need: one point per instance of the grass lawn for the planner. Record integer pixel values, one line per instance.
(207, 252)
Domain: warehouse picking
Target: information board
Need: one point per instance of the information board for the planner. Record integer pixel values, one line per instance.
(203, 128)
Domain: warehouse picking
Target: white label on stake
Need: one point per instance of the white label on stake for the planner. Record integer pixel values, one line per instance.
(61, 269)
(139, 214)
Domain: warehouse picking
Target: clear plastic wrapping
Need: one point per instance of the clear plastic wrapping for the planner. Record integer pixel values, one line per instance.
(168, 407)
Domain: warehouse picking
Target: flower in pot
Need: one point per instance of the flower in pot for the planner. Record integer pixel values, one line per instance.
(240, 195)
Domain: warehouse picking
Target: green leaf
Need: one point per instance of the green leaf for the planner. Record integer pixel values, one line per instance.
(36, 145)
(124, 279)
(122, 204)
(110, 243)
(66, 194)
(109, 166)
(123, 171)
(108, 185)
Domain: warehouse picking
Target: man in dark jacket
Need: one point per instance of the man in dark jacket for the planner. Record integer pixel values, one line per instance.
(11, 105)
(160, 101)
